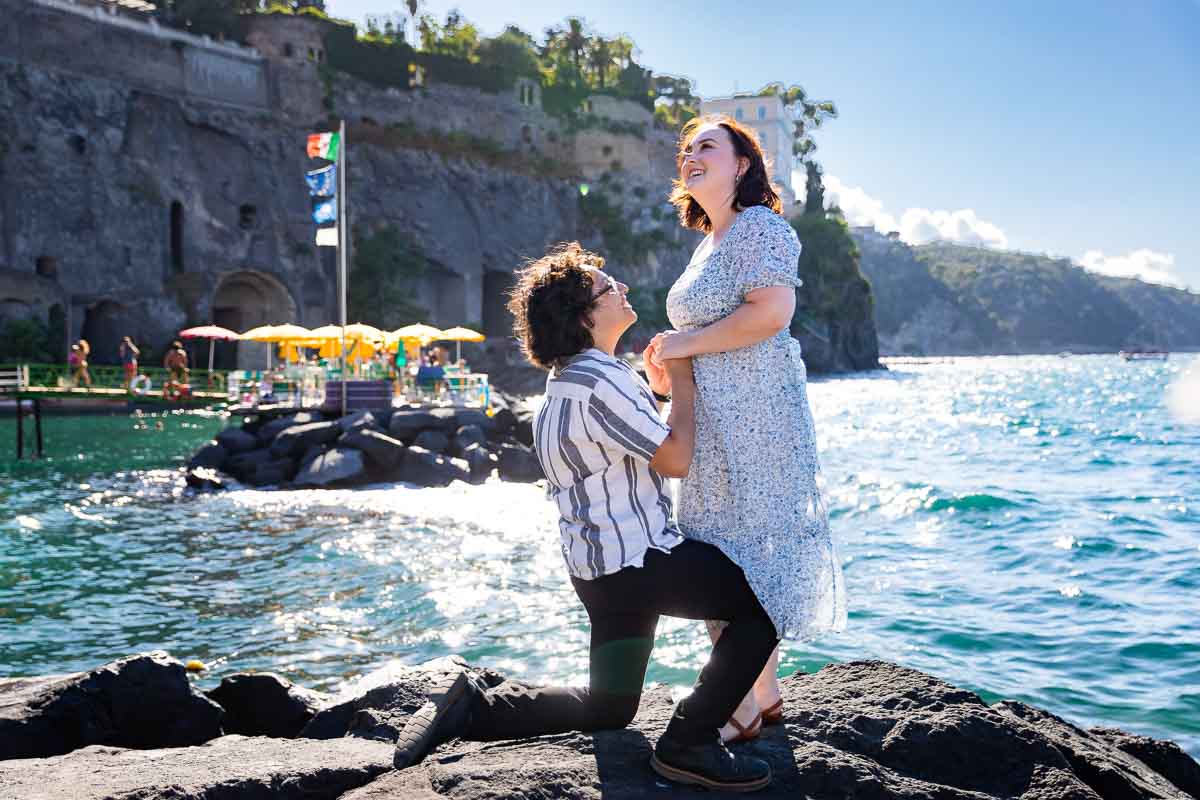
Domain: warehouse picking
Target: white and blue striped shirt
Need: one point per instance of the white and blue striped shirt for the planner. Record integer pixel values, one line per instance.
(595, 434)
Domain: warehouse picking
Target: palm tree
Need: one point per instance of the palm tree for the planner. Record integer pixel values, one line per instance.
(575, 40)
(600, 58)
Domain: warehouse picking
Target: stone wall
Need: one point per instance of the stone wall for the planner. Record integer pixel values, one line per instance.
(60, 35)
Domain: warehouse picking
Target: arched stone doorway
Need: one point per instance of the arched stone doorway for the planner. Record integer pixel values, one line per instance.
(104, 324)
(245, 300)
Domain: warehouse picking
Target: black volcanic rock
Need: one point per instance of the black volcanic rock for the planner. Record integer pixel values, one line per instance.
(228, 768)
(142, 701)
(264, 704)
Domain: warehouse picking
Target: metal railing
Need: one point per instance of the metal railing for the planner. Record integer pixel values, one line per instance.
(13, 378)
(103, 376)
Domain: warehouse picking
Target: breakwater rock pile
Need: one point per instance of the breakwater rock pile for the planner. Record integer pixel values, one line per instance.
(423, 446)
(138, 728)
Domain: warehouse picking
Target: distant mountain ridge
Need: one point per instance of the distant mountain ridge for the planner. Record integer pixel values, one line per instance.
(949, 299)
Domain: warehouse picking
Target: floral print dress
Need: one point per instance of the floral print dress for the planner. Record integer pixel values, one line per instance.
(752, 489)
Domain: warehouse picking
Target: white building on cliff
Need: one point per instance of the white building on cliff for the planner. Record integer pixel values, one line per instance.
(768, 117)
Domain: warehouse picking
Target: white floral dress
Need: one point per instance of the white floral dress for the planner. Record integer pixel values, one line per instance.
(752, 489)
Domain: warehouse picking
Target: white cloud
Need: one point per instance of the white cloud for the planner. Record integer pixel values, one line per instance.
(1148, 265)
(916, 225)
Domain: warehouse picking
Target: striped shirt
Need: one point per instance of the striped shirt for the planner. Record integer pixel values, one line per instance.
(594, 434)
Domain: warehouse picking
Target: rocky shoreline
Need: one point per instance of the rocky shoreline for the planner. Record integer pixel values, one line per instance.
(420, 445)
(138, 729)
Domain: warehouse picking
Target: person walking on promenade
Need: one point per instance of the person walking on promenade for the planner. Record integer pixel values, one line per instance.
(129, 353)
(753, 488)
(176, 363)
(77, 360)
(604, 448)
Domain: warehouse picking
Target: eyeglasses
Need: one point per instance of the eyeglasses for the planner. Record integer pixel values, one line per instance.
(603, 291)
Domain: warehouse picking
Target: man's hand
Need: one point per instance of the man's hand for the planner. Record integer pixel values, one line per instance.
(656, 373)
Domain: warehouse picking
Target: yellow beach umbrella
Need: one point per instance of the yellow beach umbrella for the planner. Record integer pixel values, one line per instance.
(289, 333)
(418, 332)
(458, 336)
(359, 330)
(325, 333)
(263, 333)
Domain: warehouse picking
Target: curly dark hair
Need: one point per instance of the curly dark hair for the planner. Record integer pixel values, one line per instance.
(552, 302)
(753, 189)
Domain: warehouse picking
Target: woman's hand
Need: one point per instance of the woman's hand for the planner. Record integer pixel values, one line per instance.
(673, 344)
(656, 373)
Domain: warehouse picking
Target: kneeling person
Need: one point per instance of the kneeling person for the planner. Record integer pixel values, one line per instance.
(604, 449)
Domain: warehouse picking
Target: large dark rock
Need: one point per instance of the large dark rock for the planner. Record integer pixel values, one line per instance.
(1165, 758)
(337, 467)
(377, 705)
(228, 768)
(425, 468)
(204, 479)
(243, 465)
(503, 423)
(211, 455)
(518, 463)
(380, 449)
(272, 473)
(864, 730)
(433, 440)
(451, 419)
(293, 441)
(358, 419)
(405, 423)
(269, 430)
(142, 701)
(466, 436)
(264, 704)
(522, 429)
(236, 440)
(480, 462)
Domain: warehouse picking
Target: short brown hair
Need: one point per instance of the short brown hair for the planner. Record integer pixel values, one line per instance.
(753, 189)
(552, 302)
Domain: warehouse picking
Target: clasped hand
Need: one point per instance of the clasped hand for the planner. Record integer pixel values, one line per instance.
(664, 347)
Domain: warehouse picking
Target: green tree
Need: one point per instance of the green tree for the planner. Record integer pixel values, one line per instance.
(455, 37)
(600, 60)
(25, 340)
(807, 115)
(383, 278)
(513, 51)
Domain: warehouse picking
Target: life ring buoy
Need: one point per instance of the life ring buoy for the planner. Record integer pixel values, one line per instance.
(173, 392)
(141, 385)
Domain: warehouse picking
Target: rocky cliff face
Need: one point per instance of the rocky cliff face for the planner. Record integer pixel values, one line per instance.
(142, 202)
(945, 299)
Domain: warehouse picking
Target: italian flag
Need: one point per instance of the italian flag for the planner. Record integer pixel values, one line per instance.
(323, 145)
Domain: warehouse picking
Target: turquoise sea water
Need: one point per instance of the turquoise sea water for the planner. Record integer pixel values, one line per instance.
(1028, 527)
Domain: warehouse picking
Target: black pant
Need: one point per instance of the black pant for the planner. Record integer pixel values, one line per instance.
(693, 581)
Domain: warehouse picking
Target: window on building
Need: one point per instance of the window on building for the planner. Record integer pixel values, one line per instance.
(312, 54)
(47, 266)
(177, 236)
(78, 144)
(248, 216)
(289, 50)
(762, 112)
(416, 75)
(737, 114)
(762, 140)
(526, 133)
(526, 94)
(606, 150)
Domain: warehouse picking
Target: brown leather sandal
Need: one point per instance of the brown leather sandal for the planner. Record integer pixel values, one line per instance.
(746, 733)
(774, 714)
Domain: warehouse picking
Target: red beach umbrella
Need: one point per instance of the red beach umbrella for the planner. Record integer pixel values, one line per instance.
(212, 333)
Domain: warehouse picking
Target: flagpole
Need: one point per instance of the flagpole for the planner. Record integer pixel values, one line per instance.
(343, 247)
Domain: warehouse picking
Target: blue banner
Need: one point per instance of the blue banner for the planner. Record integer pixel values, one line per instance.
(325, 211)
(322, 182)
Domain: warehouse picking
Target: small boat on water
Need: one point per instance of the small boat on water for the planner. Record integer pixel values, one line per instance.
(1144, 355)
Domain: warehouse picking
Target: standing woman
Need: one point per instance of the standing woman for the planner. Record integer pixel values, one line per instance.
(752, 488)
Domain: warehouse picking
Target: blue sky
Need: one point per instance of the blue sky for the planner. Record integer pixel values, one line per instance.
(1061, 127)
